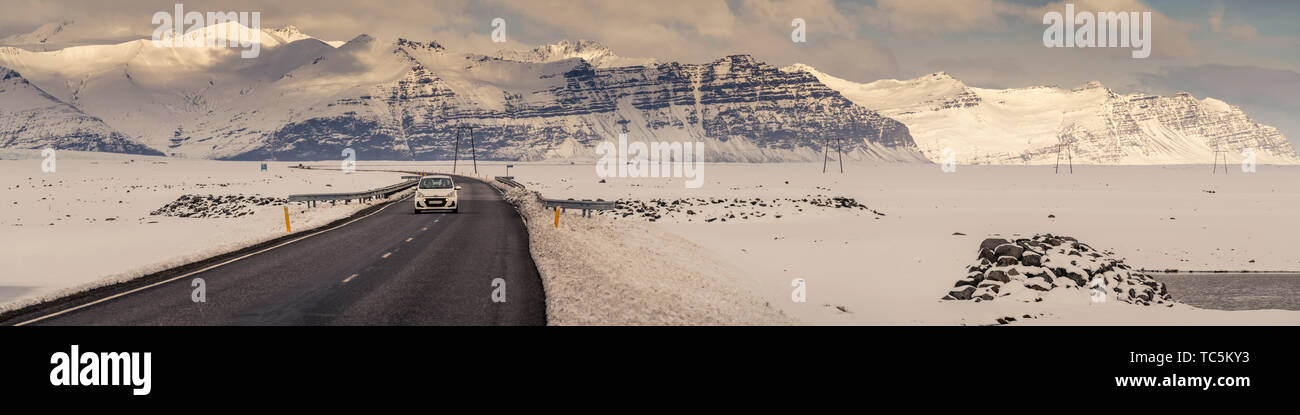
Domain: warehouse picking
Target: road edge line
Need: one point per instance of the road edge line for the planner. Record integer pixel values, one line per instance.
(276, 243)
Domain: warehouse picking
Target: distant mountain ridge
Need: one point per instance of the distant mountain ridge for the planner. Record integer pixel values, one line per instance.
(303, 99)
(307, 99)
(1025, 125)
(32, 119)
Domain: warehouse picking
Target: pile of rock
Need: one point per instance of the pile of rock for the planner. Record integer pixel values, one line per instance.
(723, 209)
(209, 206)
(1026, 268)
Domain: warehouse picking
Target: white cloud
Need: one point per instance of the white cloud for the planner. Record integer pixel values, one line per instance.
(910, 18)
(1240, 32)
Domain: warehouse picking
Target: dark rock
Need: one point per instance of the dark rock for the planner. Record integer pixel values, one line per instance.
(992, 243)
(1072, 276)
(1031, 258)
(962, 294)
(997, 275)
(988, 254)
(1011, 250)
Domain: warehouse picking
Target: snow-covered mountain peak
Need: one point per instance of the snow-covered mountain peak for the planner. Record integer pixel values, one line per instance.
(743, 59)
(32, 119)
(582, 46)
(1091, 85)
(800, 67)
(595, 53)
(287, 34)
(41, 35)
(1218, 106)
(1094, 88)
(361, 39)
(940, 76)
(430, 46)
(222, 34)
(1023, 125)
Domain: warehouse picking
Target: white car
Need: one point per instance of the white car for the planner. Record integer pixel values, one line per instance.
(437, 193)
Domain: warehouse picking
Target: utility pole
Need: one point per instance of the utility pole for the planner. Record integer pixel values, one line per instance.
(472, 148)
(826, 155)
(1217, 151)
(1063, 144)
(826, 148)
(456, 156)
(840, 154)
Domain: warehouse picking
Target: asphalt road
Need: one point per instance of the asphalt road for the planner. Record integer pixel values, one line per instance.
(393, 267)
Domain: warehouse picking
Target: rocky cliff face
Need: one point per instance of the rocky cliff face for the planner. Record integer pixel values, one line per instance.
(32, 119)
(302, 99)
(744, 109)
(1136, 120)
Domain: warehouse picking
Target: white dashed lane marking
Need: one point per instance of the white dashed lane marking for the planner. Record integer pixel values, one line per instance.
(345, 280)
(387, 255)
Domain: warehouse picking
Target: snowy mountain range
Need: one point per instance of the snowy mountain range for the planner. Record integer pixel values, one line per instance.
(308, 99)
(30, 118)
(36, 38)
(304, 99)
(1026, 125)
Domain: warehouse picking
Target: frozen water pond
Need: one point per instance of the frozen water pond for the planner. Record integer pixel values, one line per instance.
(1235, 291)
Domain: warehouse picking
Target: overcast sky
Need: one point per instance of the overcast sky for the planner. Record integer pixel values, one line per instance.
(1246, 52)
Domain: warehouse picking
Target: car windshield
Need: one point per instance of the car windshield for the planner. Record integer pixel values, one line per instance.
(435, 183)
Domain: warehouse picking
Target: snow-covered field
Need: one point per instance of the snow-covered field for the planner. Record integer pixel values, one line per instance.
(603, 272)
(89, 222)
(879, 244)
(864, 268)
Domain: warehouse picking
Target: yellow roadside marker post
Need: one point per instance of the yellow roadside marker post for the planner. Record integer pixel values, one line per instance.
(557, 217)
(286, 220)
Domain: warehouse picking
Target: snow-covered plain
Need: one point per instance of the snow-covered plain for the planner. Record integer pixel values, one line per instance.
(89, 224)
(863, 268)
(602, 272)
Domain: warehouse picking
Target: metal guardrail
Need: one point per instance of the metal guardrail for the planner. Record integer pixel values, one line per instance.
(586, 206)
(510, 181)
(383, 192)
(578, 204)
(412, 178)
